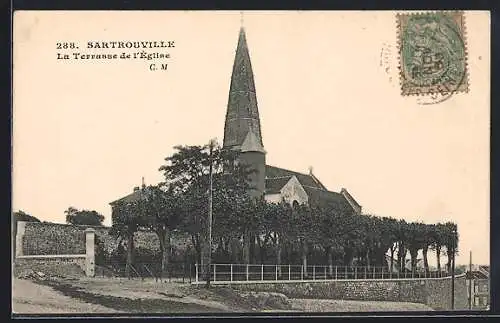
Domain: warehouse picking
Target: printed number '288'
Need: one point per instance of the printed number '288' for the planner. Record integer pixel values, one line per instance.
(65, 45)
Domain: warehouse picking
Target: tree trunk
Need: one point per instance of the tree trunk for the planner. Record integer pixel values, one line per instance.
(368, 258)
(130, 253)
(196, 247)
(262, 253)
(204, 269)
(278, 254)
(246, 248)
(392, 259)
(253, 249)
(448, 265)
(329, 254)
(426, 263)
(304, 257)
(166, 251)
(398, 261)
(413, 255)
(438, 258)
(348, 256)
(401, 257)
(234, 247)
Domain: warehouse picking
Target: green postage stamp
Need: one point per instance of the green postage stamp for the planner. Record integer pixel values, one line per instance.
(433, 53)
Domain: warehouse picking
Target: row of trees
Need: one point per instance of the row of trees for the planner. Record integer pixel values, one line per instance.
(249, 230)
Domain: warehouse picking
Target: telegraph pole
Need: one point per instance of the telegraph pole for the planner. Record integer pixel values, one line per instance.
(471, 280)
(209, 263)
(453, 270)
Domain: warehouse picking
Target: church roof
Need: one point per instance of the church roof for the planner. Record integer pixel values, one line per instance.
(251, 143)
(304, 179)
(277, 177)
(275, 184)
(242, 112)
(324, 197)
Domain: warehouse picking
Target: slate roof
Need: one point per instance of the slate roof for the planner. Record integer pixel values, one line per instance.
(304, 179)
(323, 197)
(349, 197)
(132, 197)
(252, 143)
(274, 185)
(242, 112)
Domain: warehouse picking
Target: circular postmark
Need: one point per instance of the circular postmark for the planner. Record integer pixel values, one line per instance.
(433, 58)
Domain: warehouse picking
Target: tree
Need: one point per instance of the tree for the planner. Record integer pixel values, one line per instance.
(83, 217)
(127, 220)
(353, 238)
(438, 238)
(23, 216)
(388, 239)
(186, 174)
(416, 237)
(371, 237)
(160, 213)
(402, 234)
(451, 242)
(333, 229)
(428, 241)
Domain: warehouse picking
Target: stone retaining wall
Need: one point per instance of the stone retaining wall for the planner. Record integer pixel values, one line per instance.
(435, 292)
(70, 266)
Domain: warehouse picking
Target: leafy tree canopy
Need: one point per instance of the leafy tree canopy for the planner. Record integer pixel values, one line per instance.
(23, 216)
(83, 217)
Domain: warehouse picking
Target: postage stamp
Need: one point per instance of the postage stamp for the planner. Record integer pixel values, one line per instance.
(432, 53)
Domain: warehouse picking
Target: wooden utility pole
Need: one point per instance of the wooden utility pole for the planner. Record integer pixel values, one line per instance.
(209, 263)
(453, 271)
(471, 280)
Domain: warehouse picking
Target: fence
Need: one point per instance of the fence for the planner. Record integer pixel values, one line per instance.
(252, 272)
(174, 272)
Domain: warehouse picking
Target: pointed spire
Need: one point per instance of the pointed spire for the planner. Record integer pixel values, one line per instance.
(143, 183)
(242, 110)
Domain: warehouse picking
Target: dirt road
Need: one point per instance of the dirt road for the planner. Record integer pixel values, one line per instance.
(136, 296)
(29, 297)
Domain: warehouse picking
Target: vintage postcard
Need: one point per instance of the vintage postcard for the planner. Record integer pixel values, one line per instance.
(250, 162)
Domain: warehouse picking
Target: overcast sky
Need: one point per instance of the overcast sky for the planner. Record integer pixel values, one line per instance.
(85, 132)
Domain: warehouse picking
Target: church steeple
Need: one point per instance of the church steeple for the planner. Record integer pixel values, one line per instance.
(242, 112)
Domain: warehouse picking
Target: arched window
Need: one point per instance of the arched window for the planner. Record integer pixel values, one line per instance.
(295, 204)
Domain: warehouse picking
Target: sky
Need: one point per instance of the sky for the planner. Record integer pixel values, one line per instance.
(327, 83)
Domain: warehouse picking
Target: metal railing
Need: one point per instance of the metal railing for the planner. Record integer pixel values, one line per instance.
(174, 272)
(255, 272)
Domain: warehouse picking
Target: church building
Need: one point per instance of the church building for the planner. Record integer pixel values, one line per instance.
(242, 133)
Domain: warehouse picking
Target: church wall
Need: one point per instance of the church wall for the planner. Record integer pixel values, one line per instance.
(257, 161)
(293, 191)
(273, 198)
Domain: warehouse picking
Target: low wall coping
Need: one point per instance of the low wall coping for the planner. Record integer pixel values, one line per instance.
(50, 256)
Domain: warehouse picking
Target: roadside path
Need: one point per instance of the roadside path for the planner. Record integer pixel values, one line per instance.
(31, 298)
